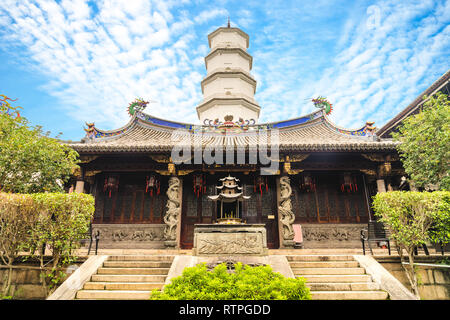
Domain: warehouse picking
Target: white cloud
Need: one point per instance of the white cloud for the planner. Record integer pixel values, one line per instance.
(99, 59)
(377, 72)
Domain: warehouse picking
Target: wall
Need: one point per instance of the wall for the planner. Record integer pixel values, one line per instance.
(332, 235)
(135, 236)
(435, 280)
(25, 282)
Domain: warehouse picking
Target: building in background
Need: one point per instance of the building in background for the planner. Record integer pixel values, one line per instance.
(440, 85)
(153, 178)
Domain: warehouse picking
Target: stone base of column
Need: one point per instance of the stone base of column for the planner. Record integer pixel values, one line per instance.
(170, 244)
(288, 243)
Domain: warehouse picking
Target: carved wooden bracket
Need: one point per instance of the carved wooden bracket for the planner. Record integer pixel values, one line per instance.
(378, 157)
(297, 157)
(87, 159)
(289, 170)
(161, 158)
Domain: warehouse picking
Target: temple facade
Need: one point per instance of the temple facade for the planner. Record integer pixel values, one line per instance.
(154, 179)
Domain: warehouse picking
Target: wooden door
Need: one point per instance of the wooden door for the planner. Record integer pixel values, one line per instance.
(262, 208)
(328, 203)
(130, 203)
(195, 210)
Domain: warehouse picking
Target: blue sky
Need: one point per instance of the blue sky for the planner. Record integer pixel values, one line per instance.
(69, 62)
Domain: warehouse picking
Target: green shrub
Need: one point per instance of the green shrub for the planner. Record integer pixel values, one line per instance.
(30, 221)
(245, 283)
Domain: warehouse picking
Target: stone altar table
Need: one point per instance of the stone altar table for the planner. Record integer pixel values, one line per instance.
(230, 239)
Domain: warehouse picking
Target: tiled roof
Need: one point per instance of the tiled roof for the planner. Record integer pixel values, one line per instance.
(313, 132)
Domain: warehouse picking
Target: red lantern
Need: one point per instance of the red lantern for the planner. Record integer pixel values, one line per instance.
(348, 183)
(152, 183)
(111, 183)
(307, 183)
(199, 184)
(260, 183)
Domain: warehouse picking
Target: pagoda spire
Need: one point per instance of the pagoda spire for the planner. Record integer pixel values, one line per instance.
(228, 87)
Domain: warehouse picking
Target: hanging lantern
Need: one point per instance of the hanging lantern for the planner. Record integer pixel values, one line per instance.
(307, 183)
(348, 183)
(199, 184)
(260, 184)
(111, 183)
(152, 184)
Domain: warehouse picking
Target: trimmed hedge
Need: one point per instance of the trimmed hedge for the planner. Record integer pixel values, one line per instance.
(30, 221)
(245, 283)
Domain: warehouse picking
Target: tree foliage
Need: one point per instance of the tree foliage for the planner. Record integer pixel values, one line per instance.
(425, 144)
(245, 283)
(414, 218)
(30, 161)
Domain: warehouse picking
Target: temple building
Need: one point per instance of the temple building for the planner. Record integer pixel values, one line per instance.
(154, 179)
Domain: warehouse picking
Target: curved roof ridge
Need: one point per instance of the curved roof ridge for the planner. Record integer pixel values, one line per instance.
(147, 120)
(92, 132)
(365, 131)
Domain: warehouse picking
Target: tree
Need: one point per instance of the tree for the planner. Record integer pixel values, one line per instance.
(413, 218)
(425, 144)
(30, 161)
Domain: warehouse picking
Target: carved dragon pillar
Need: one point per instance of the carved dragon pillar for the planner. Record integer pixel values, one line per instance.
(286, 216)
(172, 216)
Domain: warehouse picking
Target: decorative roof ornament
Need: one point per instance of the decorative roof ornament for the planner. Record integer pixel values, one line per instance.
(228, 125)
(137, 105)
(323, 103)
(90, 131)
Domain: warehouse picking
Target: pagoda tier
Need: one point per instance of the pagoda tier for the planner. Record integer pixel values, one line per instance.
(231, 194)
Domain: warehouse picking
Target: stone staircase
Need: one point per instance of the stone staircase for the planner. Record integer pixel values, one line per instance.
(130, 277)
(335, 277)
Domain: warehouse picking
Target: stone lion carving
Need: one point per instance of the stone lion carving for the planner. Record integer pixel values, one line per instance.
(172, 215)
(287, 217)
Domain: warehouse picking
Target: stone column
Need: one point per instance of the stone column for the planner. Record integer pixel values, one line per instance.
(381, 187)
(172, 216)
(383, 173)
(79, 187)
(285, 215)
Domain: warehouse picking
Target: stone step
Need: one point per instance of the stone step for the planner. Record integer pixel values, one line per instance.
(142, 271)
(349, 295)
(113, 295)
(133, 286)
(328, 271)
(137, 264)
(127, 278)
(324, 264)
(320, 258)
(141, 258)
(343, 286)
(337, 278)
